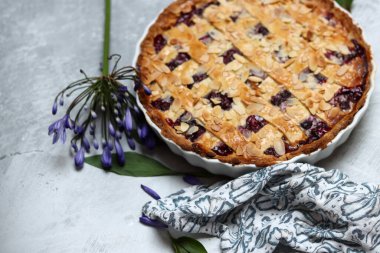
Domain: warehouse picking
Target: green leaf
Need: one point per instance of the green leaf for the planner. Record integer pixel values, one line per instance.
(138, 165)
(187, 245)
(345, 4)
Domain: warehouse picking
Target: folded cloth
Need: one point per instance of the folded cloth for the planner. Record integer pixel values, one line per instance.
(298, 205)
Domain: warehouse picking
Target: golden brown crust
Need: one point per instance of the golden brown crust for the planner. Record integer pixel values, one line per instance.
(154, 72)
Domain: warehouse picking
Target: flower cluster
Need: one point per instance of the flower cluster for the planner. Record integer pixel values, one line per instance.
(102, 113)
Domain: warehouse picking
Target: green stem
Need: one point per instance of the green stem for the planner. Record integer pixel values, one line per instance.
(106, 45)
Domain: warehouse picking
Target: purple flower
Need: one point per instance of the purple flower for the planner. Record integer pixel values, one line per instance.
(78, 129)
(123, 88)
(54, 108)
(119, 153)
(191, 180)
(143, 131)
(106, 158)
(147, 90)
(61, 101)
(152, 223)
(58, 129)
(131, 143)
(137, 84)
(111, 129)
(118, 135)
(128, 120)
(79, 158)
(69, 123)
(150, 192)
(86, 144)
(95, 144)
(74, 146)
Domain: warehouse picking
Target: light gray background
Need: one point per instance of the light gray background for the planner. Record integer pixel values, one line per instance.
(45, 204)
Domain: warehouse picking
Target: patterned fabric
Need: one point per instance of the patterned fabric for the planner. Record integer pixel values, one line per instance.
(298, 205)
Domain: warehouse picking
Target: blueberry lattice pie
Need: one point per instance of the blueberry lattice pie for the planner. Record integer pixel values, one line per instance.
(253, 81)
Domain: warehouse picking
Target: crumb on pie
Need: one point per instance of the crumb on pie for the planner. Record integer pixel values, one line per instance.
(253, 81)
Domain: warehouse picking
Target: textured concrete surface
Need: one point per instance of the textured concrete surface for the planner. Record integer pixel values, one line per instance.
(48, 206)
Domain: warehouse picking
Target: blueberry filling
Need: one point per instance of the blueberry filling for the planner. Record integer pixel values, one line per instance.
(163, 104)
(280, 98)
(289, 147)
(159, 43)
(199, 77)
(315, 128)
(345, 96)
(330, 17)
(271, 151)
(187, 17)
(217, 98)
(172, 123)
(235, 16)
(194, 136)
(222, 149)
(200, 10)
(228, 56)
(206, 39)
(254, 123)
(335, 56)
(306, 124)
(321, 79)
(180, 59)
(356, 51)
(260, 29)
(195, 130)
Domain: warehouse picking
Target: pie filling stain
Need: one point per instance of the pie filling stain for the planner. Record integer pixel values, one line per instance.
(180, 59)
(217, 98)
(315, 128)
(163, 104)
(193, 131)
(206, 39)
(253, 123)
(222, 149)
(280, 98)
(159, 43)
(340, 58)
(260, 29)
(197, 78)
(345, 97)
(271, 151)
(303, 76)
(187, 17)
(228, 56)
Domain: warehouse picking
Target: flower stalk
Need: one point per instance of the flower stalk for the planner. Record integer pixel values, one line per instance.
(104, 109)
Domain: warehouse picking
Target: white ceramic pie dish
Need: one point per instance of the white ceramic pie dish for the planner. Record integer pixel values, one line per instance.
(217, 167)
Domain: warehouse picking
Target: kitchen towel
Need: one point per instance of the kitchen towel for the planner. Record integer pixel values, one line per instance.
(298, 205)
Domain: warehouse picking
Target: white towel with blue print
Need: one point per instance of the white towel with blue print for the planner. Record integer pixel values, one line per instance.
(298, 205)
